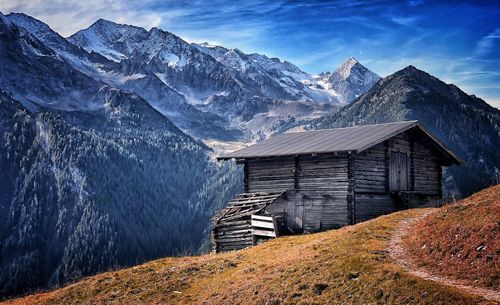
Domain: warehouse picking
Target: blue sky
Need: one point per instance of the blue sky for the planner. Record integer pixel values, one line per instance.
(456, 41)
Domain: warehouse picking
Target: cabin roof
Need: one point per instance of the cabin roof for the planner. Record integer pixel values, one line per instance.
(247, 204)
(349, 139)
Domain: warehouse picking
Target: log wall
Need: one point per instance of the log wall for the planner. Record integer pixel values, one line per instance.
(270, 174)
(427, 177)
(323, 189)
(316, 185)
(371, 178)
(232, 235)
(371, 172)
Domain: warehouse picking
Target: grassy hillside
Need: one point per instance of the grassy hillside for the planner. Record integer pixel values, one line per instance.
(468, 247)
(346, 266)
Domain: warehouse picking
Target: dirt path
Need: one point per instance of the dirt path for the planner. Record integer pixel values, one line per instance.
(398, 254)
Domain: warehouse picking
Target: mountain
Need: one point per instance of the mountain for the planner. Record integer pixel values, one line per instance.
(176, 61)
(465, 123)
(257, 95)
(349, 81)
(36, 75)
(93, 177)
(351, 265)
(103, 163)
(263, 71)
(213, 93)
(146, 84)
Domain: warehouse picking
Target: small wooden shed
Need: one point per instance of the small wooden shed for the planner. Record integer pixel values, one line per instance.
(316, 180)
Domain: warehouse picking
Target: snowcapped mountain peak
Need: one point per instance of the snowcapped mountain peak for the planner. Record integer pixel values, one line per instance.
(157, 31)
(32, 25)
(352, 59)
(348, 81)
(114, 26)
(236, 92)
(120, 41)
(346, 68)
(3, 19)
(112, 40)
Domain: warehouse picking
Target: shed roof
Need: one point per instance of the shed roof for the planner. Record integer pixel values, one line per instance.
(349, 139)
(247, 204)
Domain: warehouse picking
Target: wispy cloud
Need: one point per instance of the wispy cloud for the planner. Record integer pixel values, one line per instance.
(488, 44)
(405, 20)
(68, 16)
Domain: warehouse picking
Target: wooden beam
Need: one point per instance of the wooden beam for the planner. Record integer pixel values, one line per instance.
(351, 202)
(260, 217)
(256, 232)
(245, 176)
(386, 154)
(440, 181)
(412, 165)
(296, 173)
(263, 224)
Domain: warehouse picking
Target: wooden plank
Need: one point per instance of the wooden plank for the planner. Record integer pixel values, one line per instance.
(231, 223)
(297, 170)
(260, 217)
(257, 232)
(263, 224)
(233, 232)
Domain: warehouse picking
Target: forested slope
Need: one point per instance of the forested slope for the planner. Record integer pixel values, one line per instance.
(83, 192)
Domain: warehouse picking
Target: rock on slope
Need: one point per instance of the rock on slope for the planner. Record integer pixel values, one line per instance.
(346, 266)
(36, 75)
(466, 124)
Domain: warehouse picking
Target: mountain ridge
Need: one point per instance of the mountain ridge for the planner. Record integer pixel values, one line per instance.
(466, 124)
(223, 96)
(235, 79)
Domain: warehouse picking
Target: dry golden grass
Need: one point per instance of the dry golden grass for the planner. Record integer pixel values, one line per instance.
(346, 266)
(461, 240)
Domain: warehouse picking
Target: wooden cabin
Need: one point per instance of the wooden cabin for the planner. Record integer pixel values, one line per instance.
(316, 180)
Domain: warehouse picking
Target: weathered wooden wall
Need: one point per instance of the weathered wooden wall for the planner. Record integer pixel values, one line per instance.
(371, 197)
(427, 179)
(317, 189)
(330, 190)
(371, 177)
(232, 235)
(322, 188)
(270, 174)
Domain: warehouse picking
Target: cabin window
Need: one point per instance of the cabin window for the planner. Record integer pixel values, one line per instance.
(398, 171)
